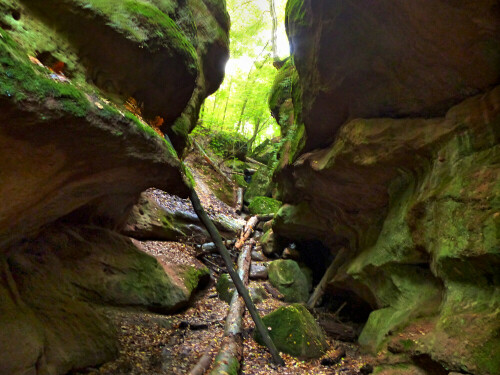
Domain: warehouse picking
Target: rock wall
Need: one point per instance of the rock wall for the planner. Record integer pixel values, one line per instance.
(74, 161)
(401, 108)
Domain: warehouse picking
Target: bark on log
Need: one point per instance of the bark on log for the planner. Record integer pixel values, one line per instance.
(203, 364)
(253, 161)
(214, 233)
(211, 248)
(239, 200)
(247, 231)
(231, 351)
(338, 331)
(329, 274)
(265, 217)
(274, 292)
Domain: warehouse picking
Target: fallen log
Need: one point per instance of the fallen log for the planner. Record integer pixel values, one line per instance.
(211, 163)
(274, 292)
(253, 161)
(265, 217)
(338, 331)
(204, 363)
(247, 231)
(329, 274)
(231, 351)
(239, 200)
(210, 248)
(242, 291)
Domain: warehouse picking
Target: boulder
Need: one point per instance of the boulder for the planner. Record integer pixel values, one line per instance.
(261, 183)
(270, 245)
(54, 283)
(389, 60)
(289, 279)
(258, 294)
(150, 219)
(294, 331)
(258, 272)
(225, 287)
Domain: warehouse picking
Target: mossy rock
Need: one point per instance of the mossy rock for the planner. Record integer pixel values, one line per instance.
(225, 287)
(269, 244)
(261, 184)
(264, 205)
(289, 279)
(294, 331)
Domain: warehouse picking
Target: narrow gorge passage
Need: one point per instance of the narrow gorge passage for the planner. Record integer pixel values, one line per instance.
(159, 344)
(347, 152)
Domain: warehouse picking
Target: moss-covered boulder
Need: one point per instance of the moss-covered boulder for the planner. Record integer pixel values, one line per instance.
(263, 205)
(289, 279)
(225, 287)
(294, 331)
(270, 245)
(261, 183)
(60, 277)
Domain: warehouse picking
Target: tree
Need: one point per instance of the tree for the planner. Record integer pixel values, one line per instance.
(240, 105)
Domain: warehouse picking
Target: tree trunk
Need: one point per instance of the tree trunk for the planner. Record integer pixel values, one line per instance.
(227, 101)
(214, 233)
(239, 200)
(274, 20)
(330, 272)
(231, 351)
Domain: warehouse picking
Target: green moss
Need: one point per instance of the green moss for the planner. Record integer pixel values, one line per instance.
(240, 180)
(288, 278)
(20, 79)
(294, 331)
(143, 22)
(225, 288)
(264, 205)
(282, 86)
(192, 276)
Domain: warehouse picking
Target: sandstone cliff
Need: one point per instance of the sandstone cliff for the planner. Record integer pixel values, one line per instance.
(74, 161)
(401, 108)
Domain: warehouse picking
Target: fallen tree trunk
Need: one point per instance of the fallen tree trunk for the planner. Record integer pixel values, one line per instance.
(259, 324)
(247, 231)
(330, 272)
(239, 200)
(265, 217)
(211, 163)
(231, 351)
(203, 364)
(253, 161)
(211, 248)
(338, 331)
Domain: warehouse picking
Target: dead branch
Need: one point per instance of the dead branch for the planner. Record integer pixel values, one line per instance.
(247, 231)
(329, 274)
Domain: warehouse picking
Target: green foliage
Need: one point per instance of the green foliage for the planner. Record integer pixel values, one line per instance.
(240, 105)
